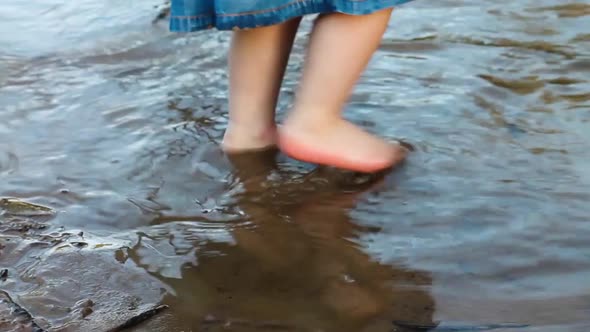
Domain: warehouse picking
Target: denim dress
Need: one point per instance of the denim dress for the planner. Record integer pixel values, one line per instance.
(193, 15)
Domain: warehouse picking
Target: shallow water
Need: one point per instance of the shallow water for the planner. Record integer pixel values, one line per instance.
(114, 123)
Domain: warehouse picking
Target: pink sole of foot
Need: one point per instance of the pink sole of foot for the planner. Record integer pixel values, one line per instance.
(311, 154)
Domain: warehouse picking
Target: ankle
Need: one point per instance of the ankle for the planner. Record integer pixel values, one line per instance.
(237, 132)
(253, 125)
(242, 137)
(311, 119)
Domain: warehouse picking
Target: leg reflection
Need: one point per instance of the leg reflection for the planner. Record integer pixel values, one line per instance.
(296, 265)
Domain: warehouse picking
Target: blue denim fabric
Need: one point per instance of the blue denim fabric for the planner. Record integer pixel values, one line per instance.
(192, 15)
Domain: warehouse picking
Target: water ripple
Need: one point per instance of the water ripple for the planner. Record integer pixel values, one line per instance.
(8, 162)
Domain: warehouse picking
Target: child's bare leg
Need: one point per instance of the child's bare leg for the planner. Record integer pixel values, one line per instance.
(257, 62)
(340, 49)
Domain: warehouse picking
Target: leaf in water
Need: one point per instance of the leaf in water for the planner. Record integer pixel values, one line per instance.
(16, 207)
(102, 245)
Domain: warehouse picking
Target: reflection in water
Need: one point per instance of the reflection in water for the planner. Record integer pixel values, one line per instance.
(294, 266)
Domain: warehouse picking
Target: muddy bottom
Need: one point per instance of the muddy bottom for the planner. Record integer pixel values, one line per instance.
(119, 212)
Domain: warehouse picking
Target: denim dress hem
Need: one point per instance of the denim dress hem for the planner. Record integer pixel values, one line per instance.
(191, 15)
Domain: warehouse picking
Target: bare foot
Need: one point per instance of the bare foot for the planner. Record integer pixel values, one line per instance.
(242, 139)
(338, 143)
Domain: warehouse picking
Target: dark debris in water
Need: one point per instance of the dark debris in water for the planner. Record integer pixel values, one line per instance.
(79, 244)
(20, 225)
